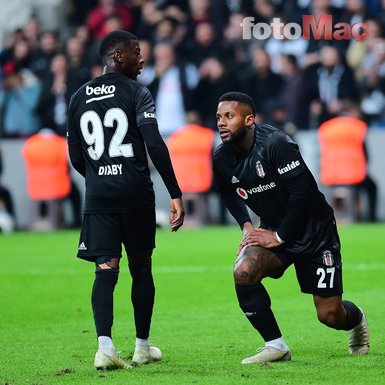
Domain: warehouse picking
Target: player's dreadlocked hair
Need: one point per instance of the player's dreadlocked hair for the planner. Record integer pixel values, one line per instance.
(114, 38)
(239, 97)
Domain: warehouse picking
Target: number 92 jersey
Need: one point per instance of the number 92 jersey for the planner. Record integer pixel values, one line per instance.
(104, 118)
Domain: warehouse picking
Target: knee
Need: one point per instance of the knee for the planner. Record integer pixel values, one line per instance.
(107, 263)
(241, 276)
(141, 269)
(244, 274)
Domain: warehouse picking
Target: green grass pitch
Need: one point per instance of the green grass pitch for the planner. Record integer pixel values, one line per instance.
(47, 334)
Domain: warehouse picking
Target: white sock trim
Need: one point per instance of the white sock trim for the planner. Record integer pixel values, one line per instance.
(105, 343)
(140, 343)
(278, 343)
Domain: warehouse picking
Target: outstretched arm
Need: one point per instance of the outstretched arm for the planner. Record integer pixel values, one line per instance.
(158, 152)
(160, 157)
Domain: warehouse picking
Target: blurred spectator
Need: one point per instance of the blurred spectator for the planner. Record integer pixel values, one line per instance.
(292, 94)
(54, 97)
(206, 44)
(17, 51)
(215, 80)
(372, 73)
(173, 82)
(206, 11)
(354, 11)
(358, 50)
(167, 31)
(7, 213)
(31, 32)
(91, 46)
(78, 65)
(82, 33)
(18, 100)
(233, 38)
(262, 84)
(330, 83)
(150, 16)
(263, 11)
(276, 47)
(6, 51)
(42, 56)
(318, 8)
(106, 8)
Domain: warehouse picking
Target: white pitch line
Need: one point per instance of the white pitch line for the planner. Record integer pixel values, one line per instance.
(176, 269)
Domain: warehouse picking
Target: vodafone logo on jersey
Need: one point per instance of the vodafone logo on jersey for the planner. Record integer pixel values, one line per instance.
(242, 193)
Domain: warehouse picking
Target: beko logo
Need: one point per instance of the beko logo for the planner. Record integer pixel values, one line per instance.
(103, 90)
(244, 194)
(289, 166)
(100, 90)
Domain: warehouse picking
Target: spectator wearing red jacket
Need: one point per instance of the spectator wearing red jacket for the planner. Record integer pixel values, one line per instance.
(107, 8)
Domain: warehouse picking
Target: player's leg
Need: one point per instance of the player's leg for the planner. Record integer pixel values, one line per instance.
(100, 242)
(139, 242)
(345, 315)
(102, 298)
(142, 298)
(320, 274)
(252, 265)
(106, 277)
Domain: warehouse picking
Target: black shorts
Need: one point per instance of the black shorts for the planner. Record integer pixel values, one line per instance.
(319, 273)
(103, 234)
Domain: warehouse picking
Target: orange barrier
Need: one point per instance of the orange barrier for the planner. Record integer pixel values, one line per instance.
(46, 159)
(191, 149)
(343, 160)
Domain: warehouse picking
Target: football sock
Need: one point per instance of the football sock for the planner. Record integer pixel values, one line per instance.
(255, 303)
(278, 343)
(102, 300)
(353, 315)
(142, 297)
(141, 343)
(105, 343)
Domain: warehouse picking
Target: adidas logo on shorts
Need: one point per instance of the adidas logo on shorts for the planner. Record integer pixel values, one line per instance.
(82, 246)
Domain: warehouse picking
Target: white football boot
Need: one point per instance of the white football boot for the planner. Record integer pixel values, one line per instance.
(147, 355)
(268, 354)
(108, 359)
(359, 338)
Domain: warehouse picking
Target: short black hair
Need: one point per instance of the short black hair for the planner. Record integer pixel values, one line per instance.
(239, 97)
(114, 38)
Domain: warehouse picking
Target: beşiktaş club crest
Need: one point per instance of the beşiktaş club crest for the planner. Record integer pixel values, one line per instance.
(327, 258)
(259, 168)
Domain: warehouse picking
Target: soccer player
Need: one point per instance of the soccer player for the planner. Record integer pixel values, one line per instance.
(260, 167)
(111, 124)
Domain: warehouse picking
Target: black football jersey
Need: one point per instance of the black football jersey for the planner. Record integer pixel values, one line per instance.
(257, 181)
(105, 117)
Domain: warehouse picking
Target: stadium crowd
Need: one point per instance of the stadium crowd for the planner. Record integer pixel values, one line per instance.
(194, 52)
